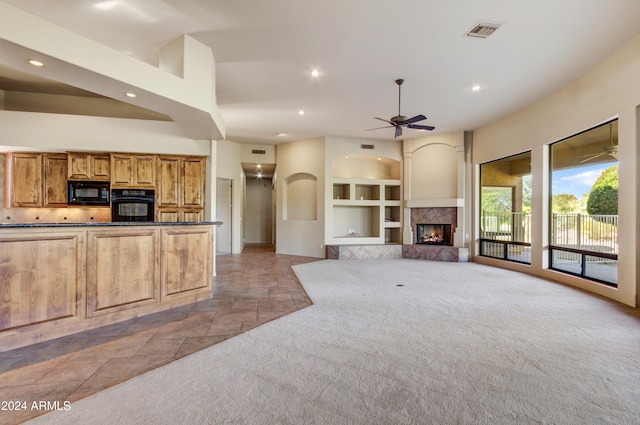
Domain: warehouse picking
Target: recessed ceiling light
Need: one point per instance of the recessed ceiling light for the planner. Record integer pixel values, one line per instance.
(300, 112)
(129, 94)
(476, 87)
(36, 62)
(379, 159)
(106, 5)
(315, 73)
(280, 134)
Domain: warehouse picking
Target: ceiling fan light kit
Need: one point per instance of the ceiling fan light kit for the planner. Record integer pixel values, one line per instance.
(400, 120)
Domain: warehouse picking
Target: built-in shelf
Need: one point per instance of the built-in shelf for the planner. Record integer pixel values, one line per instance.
(367, 210)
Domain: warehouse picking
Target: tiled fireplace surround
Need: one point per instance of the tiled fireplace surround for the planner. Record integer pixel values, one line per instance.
(434, 215)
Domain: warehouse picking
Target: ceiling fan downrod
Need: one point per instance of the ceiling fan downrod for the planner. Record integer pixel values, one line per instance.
(399, 82)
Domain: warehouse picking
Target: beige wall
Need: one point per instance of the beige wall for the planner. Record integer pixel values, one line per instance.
(612, 89)
(228, 156)
(300, 236)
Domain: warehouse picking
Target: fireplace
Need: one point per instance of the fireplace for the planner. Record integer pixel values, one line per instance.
(433, 234)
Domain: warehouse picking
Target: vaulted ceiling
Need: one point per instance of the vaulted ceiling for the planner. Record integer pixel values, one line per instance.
(265, 52)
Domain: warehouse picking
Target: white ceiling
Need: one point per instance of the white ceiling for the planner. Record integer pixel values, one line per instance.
(265, 50)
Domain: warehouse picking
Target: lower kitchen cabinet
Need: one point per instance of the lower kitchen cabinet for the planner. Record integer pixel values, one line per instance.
(58, 280)
(42, 279)
(123, 269)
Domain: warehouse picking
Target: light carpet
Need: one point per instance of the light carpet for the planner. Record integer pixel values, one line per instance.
(458, 343)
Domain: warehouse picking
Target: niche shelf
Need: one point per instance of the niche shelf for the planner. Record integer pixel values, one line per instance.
(366, 211)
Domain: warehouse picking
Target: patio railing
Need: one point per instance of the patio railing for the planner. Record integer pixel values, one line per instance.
(580, 244)
(587, 232)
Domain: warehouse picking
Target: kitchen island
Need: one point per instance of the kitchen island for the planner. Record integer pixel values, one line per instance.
(58, 279)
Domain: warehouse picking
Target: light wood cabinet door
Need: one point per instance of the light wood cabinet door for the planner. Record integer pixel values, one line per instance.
(121, 170)
(181, 247)
(192, 215)
(42, 278)
(180, 188)
(169, 186)
(55, 180)
(24, 175)
(133, 171)
(193, 180)
(88, 166)
(100, 167)
(168, 215)
(123, 269)
(144, 168)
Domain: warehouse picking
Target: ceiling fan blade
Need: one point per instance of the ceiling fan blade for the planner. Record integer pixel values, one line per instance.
(382, 119)
(378, 128)
(398, 131)
(421, 127)
(415, 119)
(590, 158)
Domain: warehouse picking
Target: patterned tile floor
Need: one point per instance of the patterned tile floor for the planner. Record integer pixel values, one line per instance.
(250, 289)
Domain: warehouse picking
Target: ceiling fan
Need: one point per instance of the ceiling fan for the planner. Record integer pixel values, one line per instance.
(611, 149)
(400, 121)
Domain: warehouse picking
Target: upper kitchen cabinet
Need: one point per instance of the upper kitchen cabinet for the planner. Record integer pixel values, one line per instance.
(180, 188)
(130, 170)
(55, 180)
(89, 166)
(35, 180)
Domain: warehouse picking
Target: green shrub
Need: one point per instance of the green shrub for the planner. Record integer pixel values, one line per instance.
(603, 197)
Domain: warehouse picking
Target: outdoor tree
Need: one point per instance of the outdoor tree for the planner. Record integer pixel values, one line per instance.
(603, 197)
(565, 203)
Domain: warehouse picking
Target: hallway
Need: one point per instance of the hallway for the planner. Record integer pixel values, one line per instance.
(250, 289)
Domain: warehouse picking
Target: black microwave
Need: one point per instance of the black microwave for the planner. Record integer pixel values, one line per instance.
(91, 193)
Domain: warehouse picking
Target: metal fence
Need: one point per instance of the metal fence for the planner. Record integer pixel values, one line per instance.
(597, 233)
(514, 227)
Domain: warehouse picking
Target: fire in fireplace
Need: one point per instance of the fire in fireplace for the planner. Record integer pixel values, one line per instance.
(433, 234)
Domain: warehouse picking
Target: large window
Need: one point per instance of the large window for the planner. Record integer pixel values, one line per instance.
(505, 208)
(584, 204)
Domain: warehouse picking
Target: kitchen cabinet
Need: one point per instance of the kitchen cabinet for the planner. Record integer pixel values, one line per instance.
(42, 278)
(35, 180)
(180, 188)
(131, 170)
(58, 280)
(127, 272)
(89, 166)
(24, 175)
(179, 215)
(55, 180)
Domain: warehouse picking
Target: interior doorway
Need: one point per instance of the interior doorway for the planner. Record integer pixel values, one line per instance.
(224, 213)
(258, 222)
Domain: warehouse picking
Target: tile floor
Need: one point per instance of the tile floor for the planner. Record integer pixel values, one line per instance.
(250, 289)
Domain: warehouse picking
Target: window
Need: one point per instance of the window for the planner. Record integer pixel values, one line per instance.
(505, 208)
(584, 204)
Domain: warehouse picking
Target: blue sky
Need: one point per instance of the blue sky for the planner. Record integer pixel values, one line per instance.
(577, 181)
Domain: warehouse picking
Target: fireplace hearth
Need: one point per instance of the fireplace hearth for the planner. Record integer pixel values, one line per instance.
(433, 234)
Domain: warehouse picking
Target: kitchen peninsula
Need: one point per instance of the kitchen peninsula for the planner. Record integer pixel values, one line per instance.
(58, 279)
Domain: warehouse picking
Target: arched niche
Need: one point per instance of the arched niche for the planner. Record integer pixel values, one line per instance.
(300, 197)
(366, 167)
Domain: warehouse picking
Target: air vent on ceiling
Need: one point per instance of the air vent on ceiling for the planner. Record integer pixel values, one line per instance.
(483, 30)
(258, 151)
(367, 146)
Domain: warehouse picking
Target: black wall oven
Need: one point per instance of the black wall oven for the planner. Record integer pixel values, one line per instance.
(132, 205)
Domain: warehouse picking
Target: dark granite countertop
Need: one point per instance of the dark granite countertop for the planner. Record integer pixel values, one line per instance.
(111, 224)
